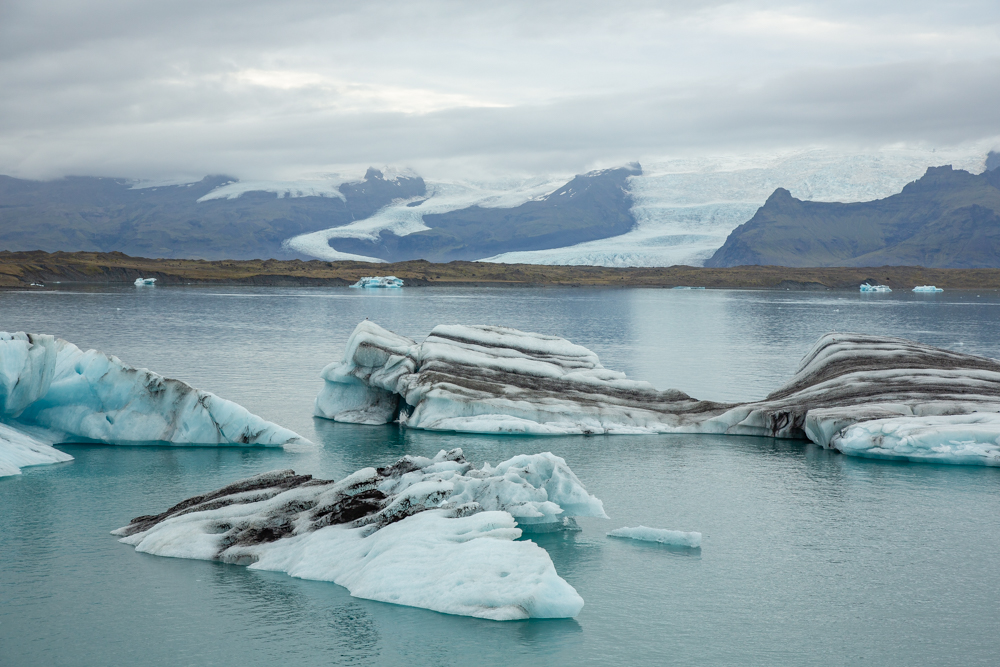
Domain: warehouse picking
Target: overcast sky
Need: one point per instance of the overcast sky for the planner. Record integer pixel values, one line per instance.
(291, 89)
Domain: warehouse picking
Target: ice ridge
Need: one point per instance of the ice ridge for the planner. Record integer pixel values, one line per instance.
(435, 533)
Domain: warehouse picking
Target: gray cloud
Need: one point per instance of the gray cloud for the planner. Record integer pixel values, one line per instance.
(265, 90)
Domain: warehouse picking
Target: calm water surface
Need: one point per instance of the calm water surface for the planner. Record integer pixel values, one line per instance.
(808, 557)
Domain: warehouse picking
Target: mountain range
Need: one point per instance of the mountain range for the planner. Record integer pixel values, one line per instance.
(949, 218)
(178, 221)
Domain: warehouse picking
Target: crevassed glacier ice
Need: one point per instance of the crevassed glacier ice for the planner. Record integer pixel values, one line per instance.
(488, 379)
(432, 533)
(675, 538)
(73, 395)
(19, 450)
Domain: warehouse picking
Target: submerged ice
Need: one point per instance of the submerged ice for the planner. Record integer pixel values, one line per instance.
(488, 379)
(676, 538)
(435, 533)
(64, 394)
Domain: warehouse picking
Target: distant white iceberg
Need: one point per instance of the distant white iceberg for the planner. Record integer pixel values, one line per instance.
(865, 287)
(54, 387)
(433, 533)
(675, 538)
(390, 282)
(927, 288)
(141, 282)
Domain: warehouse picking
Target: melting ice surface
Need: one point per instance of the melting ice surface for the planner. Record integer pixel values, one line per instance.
(425, 532)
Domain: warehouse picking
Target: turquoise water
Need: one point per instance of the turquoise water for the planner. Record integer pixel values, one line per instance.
(809, 557)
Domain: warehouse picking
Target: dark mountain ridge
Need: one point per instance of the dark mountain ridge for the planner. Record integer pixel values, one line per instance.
(591, 206)
(85, 213)
(946, 219)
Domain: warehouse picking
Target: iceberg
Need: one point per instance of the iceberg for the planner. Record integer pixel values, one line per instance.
(53, 387)
(435, 533)
(675, 538)
(391, 282)
(865, 287)
(487, 379)
(927, 288)
(19, 450)
(140, 282)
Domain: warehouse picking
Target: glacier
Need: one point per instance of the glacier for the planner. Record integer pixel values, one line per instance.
(406, 216)
(684, 207)
(61, 393)
(489, 379)
(436, 533)
(676, 538)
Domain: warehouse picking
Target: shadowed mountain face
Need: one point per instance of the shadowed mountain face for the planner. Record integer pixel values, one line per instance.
(946, 219)
(591, 206)
(105, 214)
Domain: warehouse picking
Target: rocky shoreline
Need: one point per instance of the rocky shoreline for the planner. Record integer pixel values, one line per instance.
(18, 270)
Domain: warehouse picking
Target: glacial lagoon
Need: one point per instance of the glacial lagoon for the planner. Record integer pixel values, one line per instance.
(807, 557)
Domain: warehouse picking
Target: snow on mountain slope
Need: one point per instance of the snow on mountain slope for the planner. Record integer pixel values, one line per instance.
(685, 208)
(406, 215)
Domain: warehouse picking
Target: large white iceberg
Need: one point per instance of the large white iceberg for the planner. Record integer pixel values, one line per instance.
(487, 379)
(496, 380)
(64, 394)
(435, 533)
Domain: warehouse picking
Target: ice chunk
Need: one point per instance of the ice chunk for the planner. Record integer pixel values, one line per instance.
(675, 538)
(865, 287)
(90, 396)
(19, 450)
(964, 439)
(927, 288)
(493, 380)
(140, 282)
(435, 533)
(379, 281)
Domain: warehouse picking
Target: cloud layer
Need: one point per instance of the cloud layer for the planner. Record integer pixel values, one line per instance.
(283, 90)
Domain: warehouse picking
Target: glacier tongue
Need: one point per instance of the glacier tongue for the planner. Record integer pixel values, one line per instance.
(488, 379)
(90, 396)
(435, 533)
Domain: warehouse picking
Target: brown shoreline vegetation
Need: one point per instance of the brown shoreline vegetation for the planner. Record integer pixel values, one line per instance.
(20, 269)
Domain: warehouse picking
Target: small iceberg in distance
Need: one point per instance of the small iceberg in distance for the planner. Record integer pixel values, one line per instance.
(391, 282)
(140, 282)
(686, 287)
(865, 287)
(676, 538)
(927, 288)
